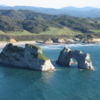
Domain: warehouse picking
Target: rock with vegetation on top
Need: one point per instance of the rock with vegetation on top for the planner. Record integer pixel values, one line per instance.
(83, 59)
(30, 57)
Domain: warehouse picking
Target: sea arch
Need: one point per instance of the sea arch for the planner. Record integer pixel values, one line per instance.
(83, 59)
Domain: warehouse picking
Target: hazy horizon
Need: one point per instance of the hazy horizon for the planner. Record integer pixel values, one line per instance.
(49, 7)
(52, 4)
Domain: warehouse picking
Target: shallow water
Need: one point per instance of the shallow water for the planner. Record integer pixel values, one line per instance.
(62, 84)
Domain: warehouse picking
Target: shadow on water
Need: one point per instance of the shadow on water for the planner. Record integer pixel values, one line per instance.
(75, 65)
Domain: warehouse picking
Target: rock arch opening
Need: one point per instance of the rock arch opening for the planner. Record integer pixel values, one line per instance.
(73, 62)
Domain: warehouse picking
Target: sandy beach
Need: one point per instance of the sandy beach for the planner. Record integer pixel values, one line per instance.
(18, 43)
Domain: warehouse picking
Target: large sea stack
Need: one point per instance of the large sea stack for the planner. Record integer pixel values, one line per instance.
(30, 57)
(83, 59)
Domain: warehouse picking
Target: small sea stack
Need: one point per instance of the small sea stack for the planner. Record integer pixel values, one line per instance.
(83, 59)
(29, 57)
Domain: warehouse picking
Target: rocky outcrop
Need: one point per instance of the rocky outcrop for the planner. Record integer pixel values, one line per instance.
(63, 40)
(13, 40)
(49, 41)
(30, 57)
(70, 41)
(58, 40)
(83, 59)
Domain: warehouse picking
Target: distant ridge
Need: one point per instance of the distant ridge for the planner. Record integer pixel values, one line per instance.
(71, 11)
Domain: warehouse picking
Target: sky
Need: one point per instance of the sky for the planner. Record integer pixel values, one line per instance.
(52, 3)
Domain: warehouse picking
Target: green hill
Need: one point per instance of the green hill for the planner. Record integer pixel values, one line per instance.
(24, 20)
(28, 25)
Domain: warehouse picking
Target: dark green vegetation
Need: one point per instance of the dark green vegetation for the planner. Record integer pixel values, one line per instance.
(28, 25)
(11, 20)
(37, 52)
(42, 57)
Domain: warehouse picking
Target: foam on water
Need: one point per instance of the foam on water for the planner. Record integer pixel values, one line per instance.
(59, 46)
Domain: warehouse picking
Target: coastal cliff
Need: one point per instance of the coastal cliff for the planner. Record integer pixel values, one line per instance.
(30, 57)
(83, 59)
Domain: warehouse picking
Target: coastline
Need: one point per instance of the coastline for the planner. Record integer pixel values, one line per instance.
(20, 43)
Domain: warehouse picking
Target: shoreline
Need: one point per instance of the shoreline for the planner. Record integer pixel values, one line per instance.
(2, 44)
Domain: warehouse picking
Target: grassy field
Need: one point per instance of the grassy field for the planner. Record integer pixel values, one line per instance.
(50, 31)
(60, 31)
(16, 33)
(96, 31)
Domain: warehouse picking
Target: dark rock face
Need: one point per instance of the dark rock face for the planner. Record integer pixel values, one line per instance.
(64, 57)
(30, 57)
(83, 59)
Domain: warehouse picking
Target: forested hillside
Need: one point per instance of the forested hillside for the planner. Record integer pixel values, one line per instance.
(24, 20)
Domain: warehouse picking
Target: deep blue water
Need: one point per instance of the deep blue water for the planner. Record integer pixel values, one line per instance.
(62, 84)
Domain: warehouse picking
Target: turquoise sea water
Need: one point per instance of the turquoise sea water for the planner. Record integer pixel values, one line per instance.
(62, 84)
